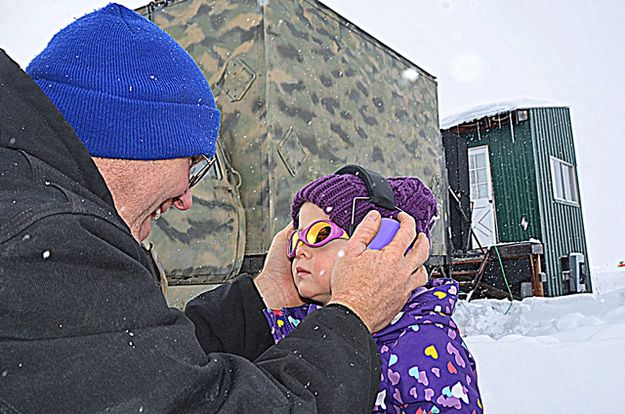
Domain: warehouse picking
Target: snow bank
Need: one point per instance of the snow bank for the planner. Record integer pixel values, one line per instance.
(550, 355)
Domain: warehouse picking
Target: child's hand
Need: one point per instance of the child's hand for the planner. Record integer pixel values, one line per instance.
(275, 282)
(375, 284)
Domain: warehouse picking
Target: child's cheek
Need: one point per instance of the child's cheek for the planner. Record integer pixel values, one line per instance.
(325, 263)
(325, 279)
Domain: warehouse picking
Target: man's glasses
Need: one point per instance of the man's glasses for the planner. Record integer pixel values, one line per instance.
(200, 165)
(317, 234)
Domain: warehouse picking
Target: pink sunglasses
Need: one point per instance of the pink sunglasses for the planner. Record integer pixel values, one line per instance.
(316, 234)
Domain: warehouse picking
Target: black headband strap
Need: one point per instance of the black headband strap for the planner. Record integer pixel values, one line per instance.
(379, 190)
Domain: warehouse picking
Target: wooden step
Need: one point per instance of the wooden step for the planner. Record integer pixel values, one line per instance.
(463, 272)
(472, 260)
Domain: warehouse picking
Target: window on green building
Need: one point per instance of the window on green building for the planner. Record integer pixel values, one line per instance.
(478, 176)
(564, 182)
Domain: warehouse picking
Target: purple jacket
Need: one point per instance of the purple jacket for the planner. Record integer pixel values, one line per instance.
(426, 366)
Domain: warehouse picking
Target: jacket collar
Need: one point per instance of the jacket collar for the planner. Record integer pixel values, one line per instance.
(434, 303)
(30, 122)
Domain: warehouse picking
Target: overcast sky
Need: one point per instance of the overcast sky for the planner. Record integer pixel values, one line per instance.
(564, 51)
(481, 52)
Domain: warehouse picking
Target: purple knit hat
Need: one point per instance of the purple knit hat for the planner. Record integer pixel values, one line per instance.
(334, 194)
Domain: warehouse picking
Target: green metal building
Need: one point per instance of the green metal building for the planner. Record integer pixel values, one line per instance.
(517, 166)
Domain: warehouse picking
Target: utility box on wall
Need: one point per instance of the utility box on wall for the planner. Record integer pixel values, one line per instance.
(574, 272)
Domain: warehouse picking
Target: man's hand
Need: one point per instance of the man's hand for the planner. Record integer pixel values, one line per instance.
(376, 284)
(275, 282)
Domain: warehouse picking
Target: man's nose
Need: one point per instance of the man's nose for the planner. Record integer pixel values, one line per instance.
(184, 201)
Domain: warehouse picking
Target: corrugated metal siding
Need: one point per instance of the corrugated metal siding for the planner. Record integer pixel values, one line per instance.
(513, 174)
(563, 224)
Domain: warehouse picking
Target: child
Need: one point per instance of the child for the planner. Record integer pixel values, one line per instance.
(426, 367)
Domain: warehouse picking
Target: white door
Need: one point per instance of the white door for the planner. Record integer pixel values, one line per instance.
(480, 181)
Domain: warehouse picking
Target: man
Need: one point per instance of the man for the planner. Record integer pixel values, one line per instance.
(83, 326)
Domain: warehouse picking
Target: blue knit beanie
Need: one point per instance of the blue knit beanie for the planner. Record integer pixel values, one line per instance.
(127, 88)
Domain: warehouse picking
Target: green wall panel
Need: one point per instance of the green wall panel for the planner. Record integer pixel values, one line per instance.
(563, 225)
(513, 175)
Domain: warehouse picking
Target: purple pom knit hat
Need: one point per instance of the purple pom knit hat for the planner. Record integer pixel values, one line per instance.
(334, 194)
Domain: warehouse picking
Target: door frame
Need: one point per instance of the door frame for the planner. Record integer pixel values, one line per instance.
(491, 193)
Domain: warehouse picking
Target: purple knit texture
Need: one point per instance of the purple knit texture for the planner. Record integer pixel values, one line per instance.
(334, 195)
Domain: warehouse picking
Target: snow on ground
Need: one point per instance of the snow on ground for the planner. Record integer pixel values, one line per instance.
(550, 355)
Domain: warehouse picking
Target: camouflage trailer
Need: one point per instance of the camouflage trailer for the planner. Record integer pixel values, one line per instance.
(302, 92)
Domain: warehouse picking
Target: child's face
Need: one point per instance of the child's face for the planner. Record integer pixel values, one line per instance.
(312, 266)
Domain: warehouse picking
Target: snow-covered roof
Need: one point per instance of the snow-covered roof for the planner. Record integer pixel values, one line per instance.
(491, 109)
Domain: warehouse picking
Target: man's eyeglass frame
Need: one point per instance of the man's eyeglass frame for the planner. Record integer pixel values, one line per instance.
(200, 166)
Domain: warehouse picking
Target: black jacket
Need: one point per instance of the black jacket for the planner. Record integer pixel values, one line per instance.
(84, 328)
